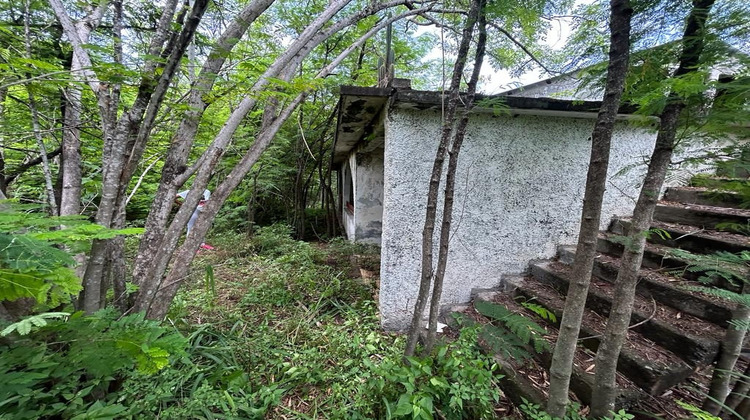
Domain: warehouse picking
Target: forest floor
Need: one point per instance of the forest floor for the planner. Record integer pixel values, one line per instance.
(299, 317)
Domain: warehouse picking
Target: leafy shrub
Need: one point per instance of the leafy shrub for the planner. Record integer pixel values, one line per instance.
(276, 241)
(207, 382)
(456, 383)
(66, 369)
(36, 253)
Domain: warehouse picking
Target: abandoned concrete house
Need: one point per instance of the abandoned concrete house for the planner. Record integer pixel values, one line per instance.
(519, 189)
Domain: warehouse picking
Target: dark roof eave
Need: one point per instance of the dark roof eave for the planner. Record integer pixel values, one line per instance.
(429, 99)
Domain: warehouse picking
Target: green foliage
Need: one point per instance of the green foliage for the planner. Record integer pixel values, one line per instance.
(208, 382)
(540, 310)
(696, 412)
(718, 267)
(24, 326)
(299, 330)
(35, 253)
(455, 382)
(66, 368)
(512, 329)
(534, 412)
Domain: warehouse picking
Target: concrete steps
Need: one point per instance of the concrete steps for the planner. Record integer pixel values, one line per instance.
(703, 196)
(658, 323)
(654, 370)
(702, 216)
(674, 331)
(690, 238)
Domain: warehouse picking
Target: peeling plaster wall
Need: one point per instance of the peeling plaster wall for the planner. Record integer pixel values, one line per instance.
(519, 192)
(368, 208)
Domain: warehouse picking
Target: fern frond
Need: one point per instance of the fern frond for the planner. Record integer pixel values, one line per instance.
(540, 310)
(528, 331)
(724, 265)
(727, 295)
(740, 324)
(503, 342)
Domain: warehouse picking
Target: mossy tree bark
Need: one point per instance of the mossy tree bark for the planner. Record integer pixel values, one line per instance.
(603, 399)
(596, 178)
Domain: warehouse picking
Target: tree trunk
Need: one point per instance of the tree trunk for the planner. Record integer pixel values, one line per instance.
(450, 182)
(426, 276)
(740, 392)
(731, 347)
(3, 177)
(130, 136)
(175, 172)
(70, 191)
(155, 293)
(603, 399)
(743, 409)
(49, 185)
(596, 179)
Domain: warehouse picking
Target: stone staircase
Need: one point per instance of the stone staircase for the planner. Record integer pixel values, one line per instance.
(674, 332)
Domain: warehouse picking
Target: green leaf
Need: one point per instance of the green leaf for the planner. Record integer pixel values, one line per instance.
(404, 406)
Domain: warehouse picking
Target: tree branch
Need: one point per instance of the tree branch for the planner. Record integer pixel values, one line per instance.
(29, 164)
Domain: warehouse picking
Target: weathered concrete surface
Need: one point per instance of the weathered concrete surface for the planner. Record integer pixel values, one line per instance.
(368, 206)
(363, 219)
(519, 194)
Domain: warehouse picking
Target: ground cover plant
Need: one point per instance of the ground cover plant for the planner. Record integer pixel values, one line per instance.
(307, 341)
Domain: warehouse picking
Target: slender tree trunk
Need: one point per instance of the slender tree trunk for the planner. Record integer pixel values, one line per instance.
(71, 168)
(740, 392)
(175, 172)
(450, 182)
(731, 347)
(425, 282)
(49, 185)
(743, 409)
(70, 193)
(3, 176)
(596, 179)
(70, 197)
(130, 137)
(156, 295)
(603, 399)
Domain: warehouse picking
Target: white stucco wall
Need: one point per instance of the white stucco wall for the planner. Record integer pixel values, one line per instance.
(519, 193)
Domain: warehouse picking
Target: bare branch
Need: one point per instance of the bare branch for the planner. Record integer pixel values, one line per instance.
(29, 164)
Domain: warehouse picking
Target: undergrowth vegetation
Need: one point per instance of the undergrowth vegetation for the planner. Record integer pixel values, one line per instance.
(306, 339)
(264, 327)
